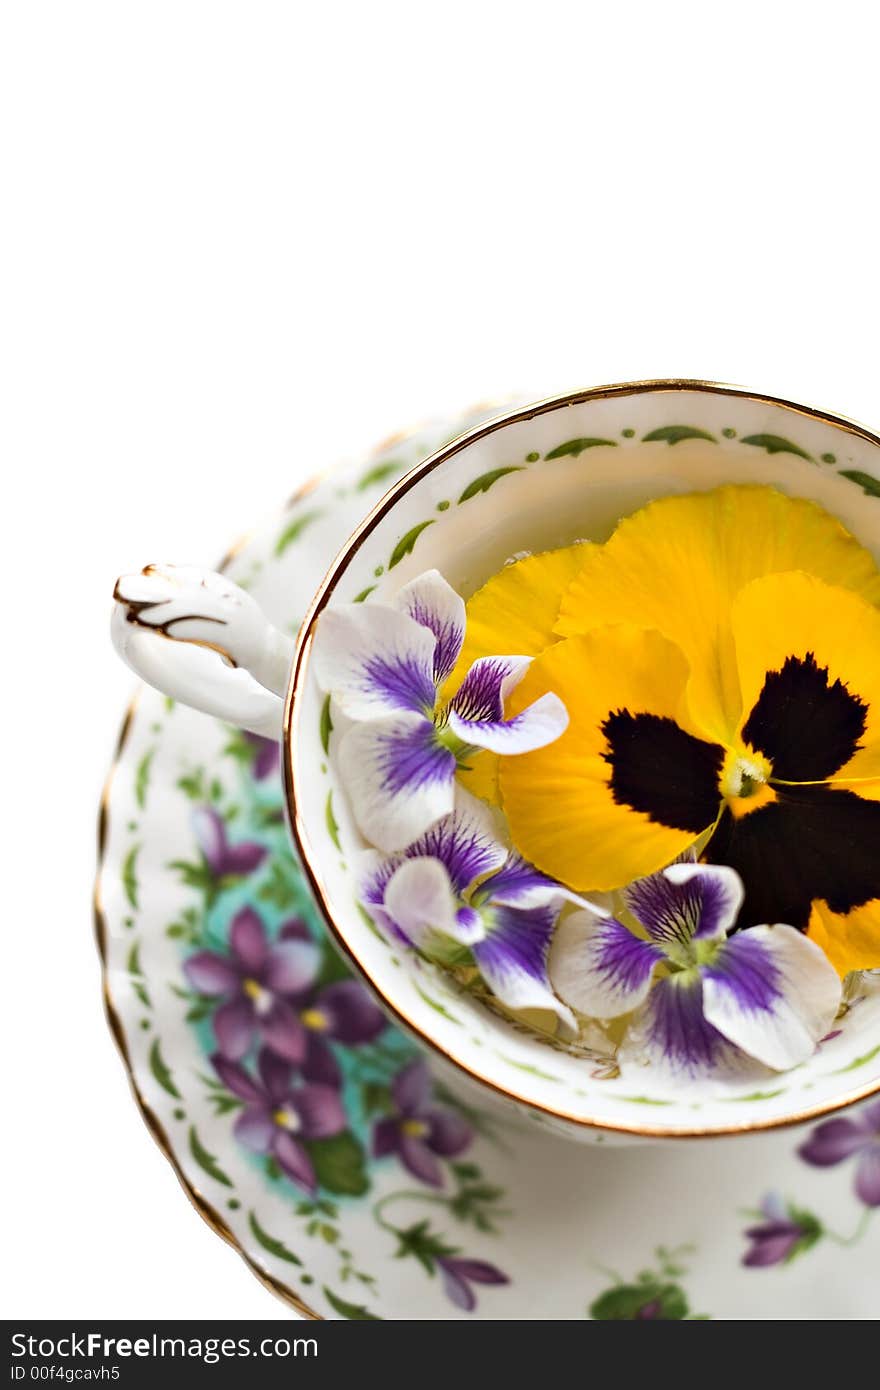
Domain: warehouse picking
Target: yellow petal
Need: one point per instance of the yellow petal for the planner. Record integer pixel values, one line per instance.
(798, 616)
(678, 563)
(512, 615)
(515, 611)
(850, 941)
(561, 810)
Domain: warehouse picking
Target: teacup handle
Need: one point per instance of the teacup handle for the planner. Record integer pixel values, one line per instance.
(198, 638)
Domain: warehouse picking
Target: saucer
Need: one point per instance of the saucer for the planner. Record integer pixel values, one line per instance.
(410, 1202)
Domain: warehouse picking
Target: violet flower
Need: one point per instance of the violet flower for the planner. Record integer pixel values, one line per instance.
(767, 990)
(459, 1274)
(223, 859)
(855, 1135)
(255, 980)
(278, 1116)
(457, 886)
(343, 1012)
(418, 1131)
(783, 1234)
(384, 666)
(270, 994)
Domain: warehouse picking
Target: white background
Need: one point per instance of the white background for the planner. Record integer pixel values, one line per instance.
(241, 241)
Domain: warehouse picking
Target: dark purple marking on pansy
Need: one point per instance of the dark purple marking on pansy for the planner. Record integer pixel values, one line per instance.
(824, 846)
(418, 1131)
(403, 681)
(224, 859)
(459, 1274)
(279, 1114)
(661, 770)
(805, 723)
(676, 1026)
(848, 1137)
(267, 755)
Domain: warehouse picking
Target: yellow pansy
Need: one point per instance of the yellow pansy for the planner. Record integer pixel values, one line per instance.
(718, 696)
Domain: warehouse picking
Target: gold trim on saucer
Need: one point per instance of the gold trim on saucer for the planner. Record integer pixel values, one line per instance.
(292, 707)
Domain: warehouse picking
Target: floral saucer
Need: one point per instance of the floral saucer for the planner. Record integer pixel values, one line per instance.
(308, 1130)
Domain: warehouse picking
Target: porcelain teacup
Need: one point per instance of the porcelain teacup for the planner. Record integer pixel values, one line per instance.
(534, 479)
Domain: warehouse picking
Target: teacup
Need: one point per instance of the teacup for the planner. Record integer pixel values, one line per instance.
(536, 478)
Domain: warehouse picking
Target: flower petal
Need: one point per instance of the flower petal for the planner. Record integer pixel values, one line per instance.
(352, 1014)
(673, 1031)
(599, 967)
(374, 661)
(772, 993)
(807, 659)
(772, 1244)
(625, 790)
(247, 937)
(292, 966)
(282, 1032)
(411, 1088)
(234, 1025)
(212, 974)
(320, 1110)
(320, 1064)
(850, 940)
(832, 1142)
(398, 777)
(449, 1133)
(386, 1134)
(421, 902)
(434, 604)
(482, 693)
(275, 1074)
(237, 1080)
(417, 1157)
(518, 607)
(243, 858)
(210, 833)
(677, 565)
(254, 1128)
(296, 1163)
(519, 884)
(512, 959)
(465, 842)
(868, 1176)
(539, 724)
(811, 844)
(686, 902)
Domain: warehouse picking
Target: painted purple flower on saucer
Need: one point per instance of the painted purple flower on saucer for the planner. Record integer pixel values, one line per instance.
(782, 1234)
(279, 1115)
(856, 1136)
(459, 1274)
(225, 860)
(384, 667)
(418, 1131)
(269, 992)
